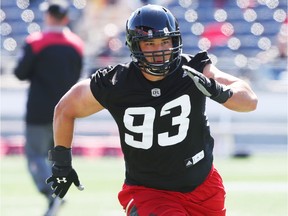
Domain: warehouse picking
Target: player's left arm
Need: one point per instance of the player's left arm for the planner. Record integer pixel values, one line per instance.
(243, 98)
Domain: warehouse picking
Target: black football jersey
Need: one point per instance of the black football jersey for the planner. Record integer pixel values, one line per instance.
(164, 131)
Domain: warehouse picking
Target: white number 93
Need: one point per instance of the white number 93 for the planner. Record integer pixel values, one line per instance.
(146, 129)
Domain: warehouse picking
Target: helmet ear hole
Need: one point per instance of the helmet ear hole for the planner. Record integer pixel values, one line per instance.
(149, 22)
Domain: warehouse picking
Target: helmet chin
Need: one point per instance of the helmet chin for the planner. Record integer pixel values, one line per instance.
(163, 69)
(157, 69)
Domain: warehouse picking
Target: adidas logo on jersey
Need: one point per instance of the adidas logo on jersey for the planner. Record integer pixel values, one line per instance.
(195, 159)
(189, 163)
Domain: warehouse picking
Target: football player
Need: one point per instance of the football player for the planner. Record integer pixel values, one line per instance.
(158, 102)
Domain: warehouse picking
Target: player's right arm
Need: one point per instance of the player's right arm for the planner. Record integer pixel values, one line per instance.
(78, 102)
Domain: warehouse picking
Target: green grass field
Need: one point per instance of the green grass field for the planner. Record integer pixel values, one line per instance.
(256, 186)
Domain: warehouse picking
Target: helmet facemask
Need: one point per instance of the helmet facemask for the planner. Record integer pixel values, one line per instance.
(160, 62)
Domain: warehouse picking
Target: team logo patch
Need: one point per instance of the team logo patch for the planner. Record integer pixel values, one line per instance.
(156, 92)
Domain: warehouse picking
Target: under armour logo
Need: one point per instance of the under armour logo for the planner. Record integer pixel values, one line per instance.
(59, 180)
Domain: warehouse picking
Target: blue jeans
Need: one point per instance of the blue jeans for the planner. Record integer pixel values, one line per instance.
(39, 139)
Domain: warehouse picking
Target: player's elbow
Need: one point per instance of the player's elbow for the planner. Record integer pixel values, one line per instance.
(60, 110)
(249, 106)
(253, 104)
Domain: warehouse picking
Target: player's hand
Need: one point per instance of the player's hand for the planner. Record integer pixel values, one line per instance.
(209, 87)
(63, 175)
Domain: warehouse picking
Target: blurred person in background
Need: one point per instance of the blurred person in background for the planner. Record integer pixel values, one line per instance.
(279, 63)
(282, 39)
(158, 101)
(51, 61)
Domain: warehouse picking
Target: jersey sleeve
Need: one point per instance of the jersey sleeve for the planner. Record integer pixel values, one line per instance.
(102, 83)
(24, 67)
(199, 61)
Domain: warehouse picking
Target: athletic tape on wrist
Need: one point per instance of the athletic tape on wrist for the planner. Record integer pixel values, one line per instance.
(224, 95)
(60, 157)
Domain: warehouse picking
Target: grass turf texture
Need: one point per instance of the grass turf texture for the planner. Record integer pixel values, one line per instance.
(255, 186)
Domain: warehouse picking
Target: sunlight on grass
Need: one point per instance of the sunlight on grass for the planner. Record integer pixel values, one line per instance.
(255, 186)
